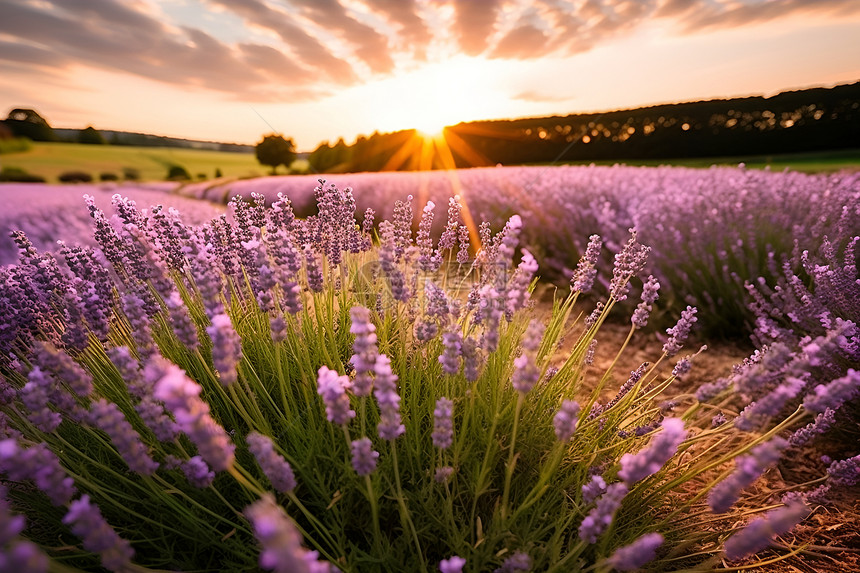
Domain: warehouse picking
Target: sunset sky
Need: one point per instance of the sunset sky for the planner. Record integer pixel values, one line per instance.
(316, 70)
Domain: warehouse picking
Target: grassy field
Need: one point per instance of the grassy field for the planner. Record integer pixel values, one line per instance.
(51, 159)
(816, 162)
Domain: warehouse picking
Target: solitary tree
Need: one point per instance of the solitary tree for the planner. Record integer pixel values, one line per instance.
(274, 150)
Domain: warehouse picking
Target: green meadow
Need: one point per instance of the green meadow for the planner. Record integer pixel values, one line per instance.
(51, 159)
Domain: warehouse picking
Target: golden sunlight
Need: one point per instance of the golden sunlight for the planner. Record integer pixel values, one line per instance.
(429, 98)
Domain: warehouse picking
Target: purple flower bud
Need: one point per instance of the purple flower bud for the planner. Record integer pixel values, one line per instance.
(186, 330)
(770, 404)
(363, 457)
(181, 395)
(595, 487)
(678, 334)
(833, 394)
(518, 289)
(86, 521)
(586, 270)
(845, 472)
(448, 239)
(443, 424)
(748, 468)
(761, 531)
(452, 565)
(108, 417)
(663, 446)
(40, 464)
(633, 556)
(364, 349)
(333, 388)
(385, 392)
(518, 561)
(197, 472)
(226, 348)
(443, 474)
(452, 343)
(276, 468)
(525, 375)
(23, 556)
(428, 259)
(282, 544)
(628, 263)
(566, 419)
(602, 514)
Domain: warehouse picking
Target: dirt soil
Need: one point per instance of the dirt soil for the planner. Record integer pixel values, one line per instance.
(831, 534)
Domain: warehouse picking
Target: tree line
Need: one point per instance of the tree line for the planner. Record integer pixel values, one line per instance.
(818, 119)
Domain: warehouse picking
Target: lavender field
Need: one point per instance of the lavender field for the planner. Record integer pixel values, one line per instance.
(356, 375)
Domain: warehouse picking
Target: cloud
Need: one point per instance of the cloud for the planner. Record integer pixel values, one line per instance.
(541, 97)
(304, 48)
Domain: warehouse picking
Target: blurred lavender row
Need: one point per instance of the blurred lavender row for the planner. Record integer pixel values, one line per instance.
(47, 213)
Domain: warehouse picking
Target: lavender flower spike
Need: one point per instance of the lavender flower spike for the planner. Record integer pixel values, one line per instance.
(747, 469)
(635, 467)
(565, 420)
(633, 556)
(363, 457)
(39, 464)
(226, 348)
(452, 565)
(602, 514)
(282, 543)
(678, 334)
(759, 533)
(86, 521)
(389, 427)
(586, 270)
(276, 468)
(443, 425)
(364, 349)
(181, 395)
(332, 388)
(833, 394)
(108, 417)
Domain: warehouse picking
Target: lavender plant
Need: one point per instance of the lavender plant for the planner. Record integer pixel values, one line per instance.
(277, 392)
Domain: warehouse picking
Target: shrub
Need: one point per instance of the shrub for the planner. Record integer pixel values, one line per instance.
(75, 177)
(258, 385)
(108, 176)
(177, 173)
(18, 175)
(130, 174)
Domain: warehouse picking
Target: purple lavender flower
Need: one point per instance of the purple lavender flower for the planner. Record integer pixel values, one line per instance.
(566, 419)
(36, 396)
(39, 464)
(181, 395)
(602, 514)
(471, 359)
(518, 289)
(364, 349)
(452, 343)
(332, 388)
(448, 240)
(108, 417)
(185, 329)
(385, 392)
(452, 565)
(769, 404)
(313, 270)
(591, 319)
(594, 488)
(628, 263)
(443, 474)
(363, 457)
(650, 293)
(428, 258)
(845, 472)
(633, 556)
(518, 561)
(443, 424)
(663, 446)
(86, 521)
(197, 472)
(586, 270)
(226, 348)
(588, 359)
(526, 374)
(282, 544)
(678, 334)
(464, 243)
(276, 468)
(833, 394)
(759, 533)
(748, 468)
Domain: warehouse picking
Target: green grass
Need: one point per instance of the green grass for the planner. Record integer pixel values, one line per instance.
(51, 159)
(813, 162)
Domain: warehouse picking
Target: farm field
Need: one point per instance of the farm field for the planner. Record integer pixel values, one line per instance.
(415, 388)
(51, 159)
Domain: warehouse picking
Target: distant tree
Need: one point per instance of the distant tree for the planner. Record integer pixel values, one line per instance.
(274, 150)
(92, 136)
(75, 177)
(108, 176)
(28, 123)
(130, 174)
(218, 173)
(177, 173)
